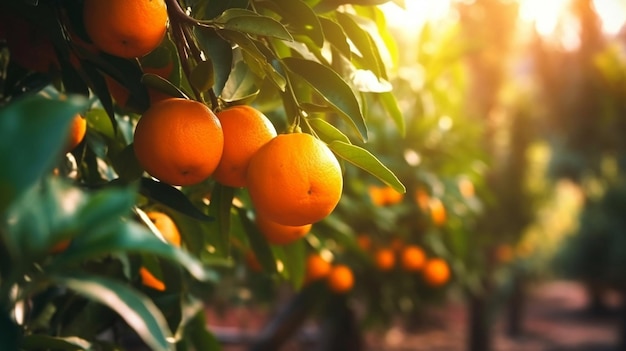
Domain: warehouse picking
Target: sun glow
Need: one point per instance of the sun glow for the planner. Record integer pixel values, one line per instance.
(544, 14)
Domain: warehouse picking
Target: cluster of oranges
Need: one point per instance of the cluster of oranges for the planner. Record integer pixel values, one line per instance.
(294, 180)
(410, 257)
(339, 277)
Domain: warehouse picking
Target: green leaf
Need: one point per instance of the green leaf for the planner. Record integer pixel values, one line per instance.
(326, 131)
(220, 53)
(294, 260)
(368, 162)
(202, 77)
(126, 164)
(163, 85)
(258, 244)
(122, 236)
(252, 23)
(33, 131)
(10, 333)
(364, 44)
(136, 309)
(333, 88)
(299, 16)
(241, 85)
(390, 104)
(335, 35)
(40, 342)
(219, 208)
(170, 197)
(199, 336)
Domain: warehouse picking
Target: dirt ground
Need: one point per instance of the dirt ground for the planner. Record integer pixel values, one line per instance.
(555, 320)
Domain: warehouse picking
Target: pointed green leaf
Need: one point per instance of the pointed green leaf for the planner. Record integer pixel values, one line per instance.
(220, 53)
(258, 244)
(326, 131)
(258, 25)
(364, 43)
(163, 85)
(299, 16)
(241, 85)
(219, 208)
(368, 162)
(390, 104)
(202, 77)
(33, 131)
(41, 342)
(332, 87)
(137, 310)
(335, 35)
(170, 197)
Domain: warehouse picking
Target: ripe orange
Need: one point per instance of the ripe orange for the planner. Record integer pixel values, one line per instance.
(126, 28)
(148, 279)
(437, 212)
(422, 199)
(246, 130)
(179, 141)
(279, 234)
(316, 268)
(436, 272)
(385, 259)
(392, 197)
(376, 195)
(504, 253)
(78, 128)
(364, 242)
(170, 232)
(166, 226)
(294, 179)
(384, 196)
(340, 279)
(413, 258)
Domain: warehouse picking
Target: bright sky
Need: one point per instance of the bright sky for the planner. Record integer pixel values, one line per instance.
(544, 14)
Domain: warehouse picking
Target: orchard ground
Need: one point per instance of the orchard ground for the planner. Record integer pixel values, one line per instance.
(555, 319)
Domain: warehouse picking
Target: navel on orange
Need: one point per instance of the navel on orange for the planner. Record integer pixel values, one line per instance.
(294, 179)
(246, 130)
(179, 141)
(125, 28)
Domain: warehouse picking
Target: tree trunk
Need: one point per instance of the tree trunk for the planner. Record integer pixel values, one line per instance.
(479, 324)
(516, 304)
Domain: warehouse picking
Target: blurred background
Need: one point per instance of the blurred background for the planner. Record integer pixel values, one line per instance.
(513, 154)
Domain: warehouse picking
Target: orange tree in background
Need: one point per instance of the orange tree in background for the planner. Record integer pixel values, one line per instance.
(158, 83)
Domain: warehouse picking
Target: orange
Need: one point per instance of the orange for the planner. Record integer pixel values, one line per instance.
(340, 279)
(364, 242)
(392, 197)
(252, 261)
(385, 259)
(436, 272)
(125, 28)
(376, 195)
(166, 226)
(149, 280)
(413, 258)
(294, 179)
(396, 244)
(316, 268)
(504, 253)
(279, 234)
(437, 212)
(246, 129)
(78, 128)
(179, 141)
(422, 199)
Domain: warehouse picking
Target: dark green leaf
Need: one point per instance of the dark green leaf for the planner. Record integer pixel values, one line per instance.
(241, 85)
(170, 197)
(326, 131)
(136, 309)
(163, 85)
(221, 54)
(368, 162)
(199, 336)
(364, 44)
(298, 15)
(202, 77)
(10, 333)
(258, 244)
(294, 259)
(332, 87)
(35, 129)
(258, 25)
(219, 208)
(126, 165)
(335, 35)
(41, 342)
(391, 106)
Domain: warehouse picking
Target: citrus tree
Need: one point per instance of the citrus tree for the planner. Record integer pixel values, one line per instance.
(150, 149)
